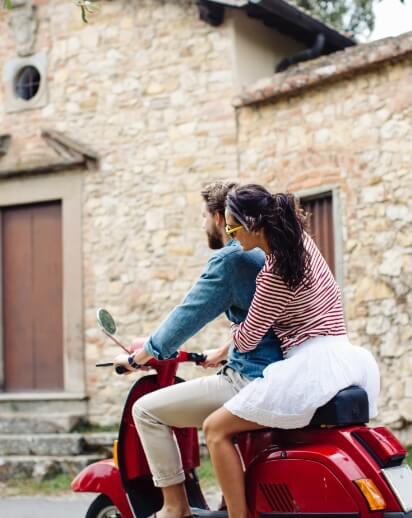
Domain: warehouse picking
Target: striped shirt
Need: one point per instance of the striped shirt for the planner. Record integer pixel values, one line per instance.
(294, 315)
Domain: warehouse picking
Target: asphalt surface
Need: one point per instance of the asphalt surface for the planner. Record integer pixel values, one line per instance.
(45, 507)
(66, 506)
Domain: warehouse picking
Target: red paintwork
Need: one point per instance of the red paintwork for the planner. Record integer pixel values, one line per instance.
(383, 443)
(306, 470)
(318, 466)
(103, 477)
(131, 453)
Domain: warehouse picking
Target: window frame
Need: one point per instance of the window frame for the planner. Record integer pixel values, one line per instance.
(334, 191)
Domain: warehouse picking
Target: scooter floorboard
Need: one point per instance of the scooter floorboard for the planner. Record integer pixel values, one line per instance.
(204, 513)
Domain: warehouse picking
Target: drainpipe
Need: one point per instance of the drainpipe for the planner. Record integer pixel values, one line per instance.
(303, 55)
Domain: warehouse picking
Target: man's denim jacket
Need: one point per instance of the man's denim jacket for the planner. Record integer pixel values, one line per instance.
(227, 285)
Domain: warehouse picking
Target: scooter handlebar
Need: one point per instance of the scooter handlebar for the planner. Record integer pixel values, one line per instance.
(181, 357)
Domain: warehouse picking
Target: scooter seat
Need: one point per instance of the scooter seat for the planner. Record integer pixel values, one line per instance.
(350, 406)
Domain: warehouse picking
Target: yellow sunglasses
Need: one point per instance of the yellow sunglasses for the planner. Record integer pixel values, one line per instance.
(231, 229)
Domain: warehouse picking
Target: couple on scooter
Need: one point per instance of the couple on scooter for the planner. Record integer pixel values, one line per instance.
(275, 287)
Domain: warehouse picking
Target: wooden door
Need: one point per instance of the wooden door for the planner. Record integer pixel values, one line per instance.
(32, 283)
(320, 210)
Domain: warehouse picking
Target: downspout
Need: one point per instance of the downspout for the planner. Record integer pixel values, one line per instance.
(303, 55)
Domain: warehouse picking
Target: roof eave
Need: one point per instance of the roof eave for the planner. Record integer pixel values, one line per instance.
(305, 21)
(283, 16)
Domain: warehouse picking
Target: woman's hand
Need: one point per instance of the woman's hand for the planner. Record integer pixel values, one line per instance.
(215, 356)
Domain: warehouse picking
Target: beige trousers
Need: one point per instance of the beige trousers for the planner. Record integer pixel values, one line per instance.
(183, 405)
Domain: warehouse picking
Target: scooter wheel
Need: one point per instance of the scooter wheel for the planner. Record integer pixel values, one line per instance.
(102, 507)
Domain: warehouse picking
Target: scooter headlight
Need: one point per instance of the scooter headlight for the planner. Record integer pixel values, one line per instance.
(371, 493)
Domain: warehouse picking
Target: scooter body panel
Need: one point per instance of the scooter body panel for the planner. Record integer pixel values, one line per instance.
(310, 471)
(104, 478)
(132, 459)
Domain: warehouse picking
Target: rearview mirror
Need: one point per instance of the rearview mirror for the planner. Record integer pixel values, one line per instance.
(108, 326)
(106, 321)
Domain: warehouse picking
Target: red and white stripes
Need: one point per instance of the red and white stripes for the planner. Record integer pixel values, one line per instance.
(294, 315)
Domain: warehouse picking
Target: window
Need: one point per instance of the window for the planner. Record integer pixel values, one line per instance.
(27, 82)
(321, 225)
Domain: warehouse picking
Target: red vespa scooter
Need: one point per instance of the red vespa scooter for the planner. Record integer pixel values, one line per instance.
(337, 467)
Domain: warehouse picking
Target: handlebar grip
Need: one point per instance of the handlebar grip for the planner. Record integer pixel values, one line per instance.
(197, 357)
(120, 369)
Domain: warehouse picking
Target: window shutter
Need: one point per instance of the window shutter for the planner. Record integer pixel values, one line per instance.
(320, 212)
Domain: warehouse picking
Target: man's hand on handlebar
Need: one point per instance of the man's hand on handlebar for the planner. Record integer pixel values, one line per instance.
(215, 357)
(140, 357)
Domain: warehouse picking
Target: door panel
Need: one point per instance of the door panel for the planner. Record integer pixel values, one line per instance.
(32, 297)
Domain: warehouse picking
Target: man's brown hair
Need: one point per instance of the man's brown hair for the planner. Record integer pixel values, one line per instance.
(214, 195)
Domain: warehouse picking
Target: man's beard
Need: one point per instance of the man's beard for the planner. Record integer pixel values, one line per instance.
(214, 239)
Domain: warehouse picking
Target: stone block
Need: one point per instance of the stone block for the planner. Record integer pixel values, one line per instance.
(20, 423)
(405, 409)
(42, 444)
(392, 263)
(41, 468)
(377, 325)
(372, 289)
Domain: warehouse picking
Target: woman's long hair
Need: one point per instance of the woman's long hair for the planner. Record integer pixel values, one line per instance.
(283, 223)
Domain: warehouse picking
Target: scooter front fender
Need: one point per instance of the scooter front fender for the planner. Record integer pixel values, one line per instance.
(103, 477)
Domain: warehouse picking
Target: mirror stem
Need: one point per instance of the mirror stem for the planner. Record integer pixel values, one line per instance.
(116, 341)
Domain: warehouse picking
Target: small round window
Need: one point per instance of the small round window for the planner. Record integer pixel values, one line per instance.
(27, 82)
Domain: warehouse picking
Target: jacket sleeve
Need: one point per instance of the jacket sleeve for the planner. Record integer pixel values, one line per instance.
(208, 298)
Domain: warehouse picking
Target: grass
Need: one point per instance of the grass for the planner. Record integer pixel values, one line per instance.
(57, 485)
(60, 484)
(206, 473)
(409, 457)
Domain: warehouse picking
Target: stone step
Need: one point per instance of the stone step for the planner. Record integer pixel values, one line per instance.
(101, 442)
(42, 467)
(62, 444)
(21, 423)
(43, 403)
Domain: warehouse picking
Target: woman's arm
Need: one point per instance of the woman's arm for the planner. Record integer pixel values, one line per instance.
(270, 300)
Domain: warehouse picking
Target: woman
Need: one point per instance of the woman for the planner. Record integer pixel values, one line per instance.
(297, 296)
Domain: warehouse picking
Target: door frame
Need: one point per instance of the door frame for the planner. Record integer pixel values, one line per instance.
(66, 187)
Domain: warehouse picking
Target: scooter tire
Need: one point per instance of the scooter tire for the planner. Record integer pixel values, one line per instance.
(102, 507)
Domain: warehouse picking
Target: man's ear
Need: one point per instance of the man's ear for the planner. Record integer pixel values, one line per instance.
(219, 219)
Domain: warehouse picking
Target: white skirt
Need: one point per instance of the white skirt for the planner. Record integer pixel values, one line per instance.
(312, 373)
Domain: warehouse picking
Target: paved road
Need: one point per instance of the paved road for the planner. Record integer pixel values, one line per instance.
(67, 506)
(45, 507)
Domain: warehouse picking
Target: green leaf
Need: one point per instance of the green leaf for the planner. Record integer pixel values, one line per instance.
(353, 16)
(8, 4)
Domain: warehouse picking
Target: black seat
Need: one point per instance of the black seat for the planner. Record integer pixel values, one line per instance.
(350, 406)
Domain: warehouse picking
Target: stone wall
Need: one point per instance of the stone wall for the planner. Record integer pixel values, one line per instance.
(353, 133)
(148, 87)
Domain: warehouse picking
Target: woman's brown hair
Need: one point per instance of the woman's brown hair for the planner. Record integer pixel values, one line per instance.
(283, 222)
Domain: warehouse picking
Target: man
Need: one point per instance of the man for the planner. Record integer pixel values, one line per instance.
(227, 285)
